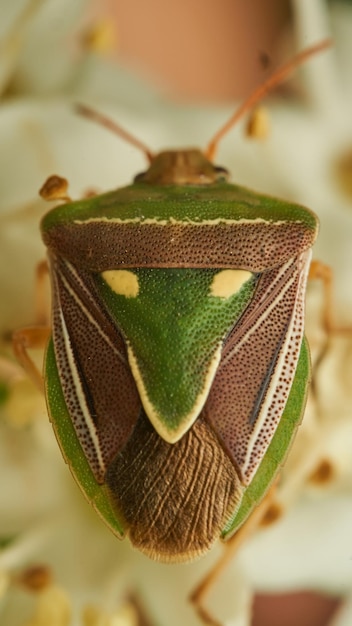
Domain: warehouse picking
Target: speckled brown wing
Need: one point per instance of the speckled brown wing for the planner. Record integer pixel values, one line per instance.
(98, 387)
(257, 367)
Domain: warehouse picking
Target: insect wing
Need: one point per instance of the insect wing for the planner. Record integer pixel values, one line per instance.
(258, 365)
(279, 447)
(99, 390)
(96, 494)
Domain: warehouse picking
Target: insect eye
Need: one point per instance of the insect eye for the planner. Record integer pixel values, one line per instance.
(139, 177)
(221, 173)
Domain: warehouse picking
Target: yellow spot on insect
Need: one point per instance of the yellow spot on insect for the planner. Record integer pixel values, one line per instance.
(123, 282)
(228, 282)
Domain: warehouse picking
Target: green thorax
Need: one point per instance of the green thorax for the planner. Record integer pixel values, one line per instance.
(180, 186)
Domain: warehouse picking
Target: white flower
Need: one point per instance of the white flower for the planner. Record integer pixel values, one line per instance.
(35, 36)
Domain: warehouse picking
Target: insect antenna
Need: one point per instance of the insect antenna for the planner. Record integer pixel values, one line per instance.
(260, 92)
(101, 119)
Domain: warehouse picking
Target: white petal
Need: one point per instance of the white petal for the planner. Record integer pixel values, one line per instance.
(309, 548)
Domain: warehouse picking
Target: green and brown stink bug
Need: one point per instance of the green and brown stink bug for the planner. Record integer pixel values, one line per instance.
(176, 371)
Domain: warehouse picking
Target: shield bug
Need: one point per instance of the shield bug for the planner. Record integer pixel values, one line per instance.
(176, 370)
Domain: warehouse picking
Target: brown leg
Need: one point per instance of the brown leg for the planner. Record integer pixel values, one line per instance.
(27, 339)
(10, 372)
(42, 298)
(35, 337)
(200, 593)
(320, 271)
(336, 336)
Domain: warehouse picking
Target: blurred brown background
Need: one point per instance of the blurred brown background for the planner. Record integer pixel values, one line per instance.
(200, 49)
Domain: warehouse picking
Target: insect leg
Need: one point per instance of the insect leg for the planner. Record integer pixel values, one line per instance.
(41, 296)
(27, 339)
(202, 590)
